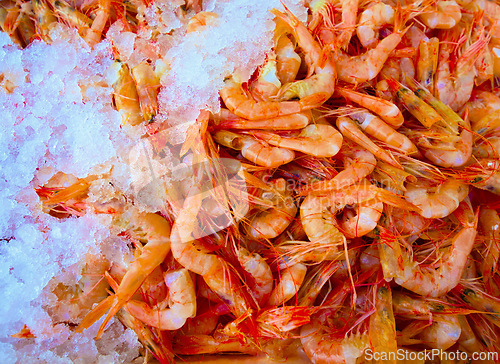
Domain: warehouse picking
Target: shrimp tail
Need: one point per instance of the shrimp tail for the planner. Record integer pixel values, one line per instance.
(96, 313)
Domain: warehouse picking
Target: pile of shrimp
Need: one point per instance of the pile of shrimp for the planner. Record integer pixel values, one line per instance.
(367, 150)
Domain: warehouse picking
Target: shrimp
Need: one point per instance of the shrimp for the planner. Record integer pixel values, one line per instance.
(318, 140)
(260, 273)
(93, 36)
(288, 61)
(254, 150)
(272, 222)
(74, 17)
(156, 231)
(365, 67)
(443, 333)
(148, 86)
(427, 281)
(188, 253)
(489, 221)
(382, 330)
(227, 120)
(371, 20)
(437, 201)
(320, 226)
(446, 15)
(387, 110)
(428, 56)
(351, 131)
(219, 342)
(322, 83)
(330, 348)
(267, 84)
(182, 303)
(378, 129)
(289, 283)
(358, 164)
(44, 18)
(479, 300)
(454, 88)
(200, 20)
(481, 105)
(74, 301)
(125, 97)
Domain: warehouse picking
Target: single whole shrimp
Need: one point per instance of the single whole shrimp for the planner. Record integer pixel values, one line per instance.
(290, 280)
(446, 15)
(387, 110)
(260, 272)
(319, 140)
(156, 231)
(181, 300)
(254, 150)
(371, 20)
(227, 120)
(273, 221)
(427, 281)
(437, 201)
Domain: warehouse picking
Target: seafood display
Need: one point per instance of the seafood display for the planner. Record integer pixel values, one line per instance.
(340, 201)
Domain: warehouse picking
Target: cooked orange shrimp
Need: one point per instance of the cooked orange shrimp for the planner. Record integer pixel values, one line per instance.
(362, 220)
(156, 231)
(44, 18)
(480, 301)
(443, 333)
(481, 105)
(408, 222)
(322, 83)
(270, 223)
(319, 140)
(181, 299)
(187, 252)
(73, 16)
(382, 330)
(148, 86)
(320, 226)
(454, 88)
(371, 20)
(125, 97)
(378, 129)
(227, 120)
(452, 154)
(200, 20)
(93, 36)
(428, 281)
(437, 201)
(446, 15)
(428, 55)
(358, 164)
(288, 61)
(387, 110)
(468, 339)
(219, 342)
(267, 84)
(489, 221)
(351, 131)
(330, 348)
(365, 67)
(260, 272)
(322, 22)
(290, 280)
(254, 150)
